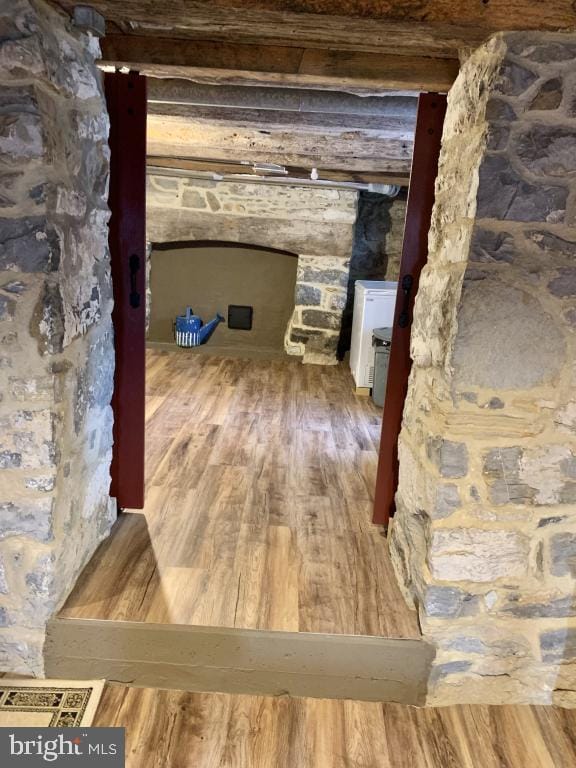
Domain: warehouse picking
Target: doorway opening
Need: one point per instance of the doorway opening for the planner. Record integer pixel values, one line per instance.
(260, 469)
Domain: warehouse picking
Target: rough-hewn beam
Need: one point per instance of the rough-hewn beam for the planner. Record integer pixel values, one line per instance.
(280, 99)
(176, 137)
(230, 168)
(237, 64)
(498, 14)
(378, 126)
(422, 27)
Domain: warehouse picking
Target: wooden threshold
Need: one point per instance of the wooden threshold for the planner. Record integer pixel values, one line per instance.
(223, 660)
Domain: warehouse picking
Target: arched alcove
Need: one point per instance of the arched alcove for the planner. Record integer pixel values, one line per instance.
(315, 223)
(209, 276)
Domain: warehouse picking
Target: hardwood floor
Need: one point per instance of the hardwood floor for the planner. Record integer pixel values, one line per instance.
(171, 729)
(260, 478)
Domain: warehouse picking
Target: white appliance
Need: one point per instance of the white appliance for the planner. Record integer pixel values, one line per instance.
(374, 302)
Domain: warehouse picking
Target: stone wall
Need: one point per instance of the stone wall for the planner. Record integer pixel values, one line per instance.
(377, 247)
(56, 353)
(484, 540)
(314, 222)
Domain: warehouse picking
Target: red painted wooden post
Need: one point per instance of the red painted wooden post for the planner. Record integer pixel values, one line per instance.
(429, 122)
(126, 100)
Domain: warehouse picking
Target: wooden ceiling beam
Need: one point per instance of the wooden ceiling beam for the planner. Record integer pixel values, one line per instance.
(230, 168)
(184, 92)
(355, 149)
(366, 164)
(438, 28)
(373, 126)
(237, 64)
(497, 14)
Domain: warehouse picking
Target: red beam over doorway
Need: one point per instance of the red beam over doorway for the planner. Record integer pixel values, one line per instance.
(429, 122)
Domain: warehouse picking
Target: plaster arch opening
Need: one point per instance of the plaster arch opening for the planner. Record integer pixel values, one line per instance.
(210, 276)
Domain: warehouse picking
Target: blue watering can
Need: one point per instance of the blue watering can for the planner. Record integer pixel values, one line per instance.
(190, 331)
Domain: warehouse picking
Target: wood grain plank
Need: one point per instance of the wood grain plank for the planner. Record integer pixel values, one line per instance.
(423, 75)
(433, 27)
(220, 731)
(231, 169)
(200, 59)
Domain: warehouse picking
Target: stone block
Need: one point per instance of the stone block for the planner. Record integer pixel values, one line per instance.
(502, 463)
(553, 520)
(514, 79)
(487, 246)
(14, 286)
(323, 271)
(564, 285)
(541, 52)
(487, 643)
(43, 484)
(548, 150)
(302, 335)
(10, 192)
(497, 137)
(335, 299)
(36, 389)
(447, 500)
(448, 668)
(27, 440)
(505, 340)
(193, 199)
(563, 554)
(558, 645)
(317, 318)
(26, 245)
(21, 137)
(547, 468)
(7, 308)
(567, 493)
(213, 202)
(47, 324)
(307, 295)
(17, 20)
(451, 458)
(449, 603)
(499, 110)
(3, 583)
(476, 555)
(540, 606)
(553, 245)
(504, 195)
(22, 59)
(32, 519)
(10, 460)
(549, 96)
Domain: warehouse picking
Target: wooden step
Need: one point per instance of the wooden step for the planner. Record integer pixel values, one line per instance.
(263, 662)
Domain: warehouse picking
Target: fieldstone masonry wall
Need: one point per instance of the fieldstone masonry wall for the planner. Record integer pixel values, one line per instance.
(316, 223)
(56, 352)
(484, 540)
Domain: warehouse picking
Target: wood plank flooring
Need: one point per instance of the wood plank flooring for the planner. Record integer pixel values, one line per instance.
(199, 730)
(260, 479)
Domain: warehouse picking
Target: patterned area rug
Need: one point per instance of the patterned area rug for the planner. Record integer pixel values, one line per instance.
(49, 703)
